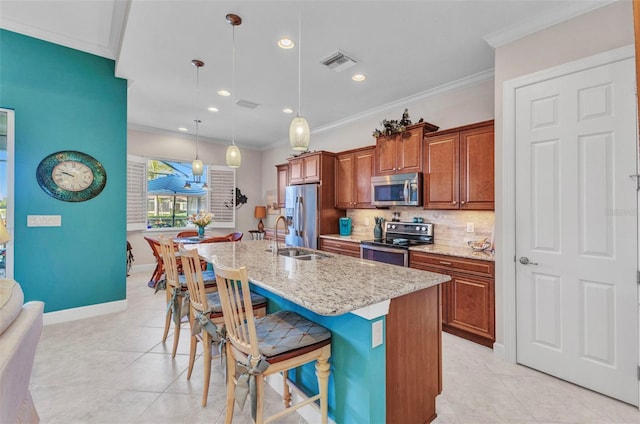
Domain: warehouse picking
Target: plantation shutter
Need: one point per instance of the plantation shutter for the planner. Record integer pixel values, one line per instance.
(222, 196)
(136, 193)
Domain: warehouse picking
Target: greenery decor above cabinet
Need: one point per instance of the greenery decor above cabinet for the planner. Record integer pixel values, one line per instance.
(401, 153)
(459, 168)
(354, 169)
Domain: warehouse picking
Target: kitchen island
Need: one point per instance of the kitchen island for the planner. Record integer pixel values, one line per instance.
(384, 319)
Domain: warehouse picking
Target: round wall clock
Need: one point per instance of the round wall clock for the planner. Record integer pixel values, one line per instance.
(71, 176)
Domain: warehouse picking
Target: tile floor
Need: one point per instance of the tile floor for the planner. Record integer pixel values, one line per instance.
(114, 370)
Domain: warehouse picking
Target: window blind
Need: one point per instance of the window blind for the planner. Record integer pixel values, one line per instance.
(222, 196)
(136, 193)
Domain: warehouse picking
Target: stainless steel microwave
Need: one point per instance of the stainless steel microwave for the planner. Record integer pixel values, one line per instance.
(397, 190)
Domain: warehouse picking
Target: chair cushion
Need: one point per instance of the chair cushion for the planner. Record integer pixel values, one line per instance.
(208, 277)
(284, 331)
(11, 299)
(215, 306)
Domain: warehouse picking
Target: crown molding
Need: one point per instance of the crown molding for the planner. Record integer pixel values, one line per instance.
(527, 27)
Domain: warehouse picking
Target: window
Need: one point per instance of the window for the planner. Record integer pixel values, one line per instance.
(163, 194)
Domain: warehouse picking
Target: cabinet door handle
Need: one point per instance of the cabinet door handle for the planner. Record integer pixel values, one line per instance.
(454, 202)
(445, 263)
(462, 203)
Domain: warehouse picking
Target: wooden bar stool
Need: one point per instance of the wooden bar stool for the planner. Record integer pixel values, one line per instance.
(176, 289)
(259, 347)
(206, 314)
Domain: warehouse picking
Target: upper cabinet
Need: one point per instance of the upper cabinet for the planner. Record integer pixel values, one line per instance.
(283, 182)
(459, 168)
(401, 153)
(353, 178)
(311, 167)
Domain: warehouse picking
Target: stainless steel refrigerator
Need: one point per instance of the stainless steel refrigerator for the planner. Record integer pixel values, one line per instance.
(301, 211)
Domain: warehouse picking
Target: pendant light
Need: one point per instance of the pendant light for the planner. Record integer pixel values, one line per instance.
(197, 167)
(299, 133)
(233, 153)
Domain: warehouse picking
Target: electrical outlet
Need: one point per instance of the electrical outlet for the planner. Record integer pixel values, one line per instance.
(366, 222)
(376, 333)
(470, 228)
(44, 220)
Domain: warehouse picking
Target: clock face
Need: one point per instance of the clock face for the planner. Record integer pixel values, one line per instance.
(71, 176)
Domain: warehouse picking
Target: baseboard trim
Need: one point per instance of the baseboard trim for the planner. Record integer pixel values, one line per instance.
(498, 351)
(83, 312)
(311, 412)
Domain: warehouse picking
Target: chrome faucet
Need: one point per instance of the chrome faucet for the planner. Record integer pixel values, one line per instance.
(275, 230)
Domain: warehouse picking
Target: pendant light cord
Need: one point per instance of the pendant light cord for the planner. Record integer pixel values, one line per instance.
(299, 61)
(233, 85)
(197, 107)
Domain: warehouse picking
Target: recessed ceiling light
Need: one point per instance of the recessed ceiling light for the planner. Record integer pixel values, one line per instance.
(286, 43)
(359, 77)
(213, 109)
(224, 93)
(182, 129)
(287, 110)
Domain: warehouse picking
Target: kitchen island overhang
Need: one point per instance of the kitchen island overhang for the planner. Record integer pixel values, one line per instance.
(394, 381)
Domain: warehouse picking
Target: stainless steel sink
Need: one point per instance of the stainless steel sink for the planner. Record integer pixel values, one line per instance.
(302, 254)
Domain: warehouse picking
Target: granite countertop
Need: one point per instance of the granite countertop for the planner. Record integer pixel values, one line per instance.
(442, 249)
(459, 251)
(354, 237)
(333, 285)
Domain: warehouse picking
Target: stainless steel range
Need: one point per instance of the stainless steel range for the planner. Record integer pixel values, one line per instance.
(394, 247)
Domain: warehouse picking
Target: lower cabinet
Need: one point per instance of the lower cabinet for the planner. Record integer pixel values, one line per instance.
(468, 300)
(348, 248)
(268, 235)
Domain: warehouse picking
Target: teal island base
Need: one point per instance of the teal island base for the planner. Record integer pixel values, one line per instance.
(394, 382)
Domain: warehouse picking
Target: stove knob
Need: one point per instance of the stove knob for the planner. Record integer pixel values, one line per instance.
(393, 226)
(418, 228)
(424, 228)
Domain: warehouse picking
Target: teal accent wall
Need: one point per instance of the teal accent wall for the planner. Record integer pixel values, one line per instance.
(357, 386)
(65, 99)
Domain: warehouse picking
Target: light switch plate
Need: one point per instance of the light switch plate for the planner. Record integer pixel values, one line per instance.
(44, 220)
(376, 333)
(470, 227)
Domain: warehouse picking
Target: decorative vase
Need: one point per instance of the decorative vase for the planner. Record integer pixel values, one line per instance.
(377, 232)
(200, 231)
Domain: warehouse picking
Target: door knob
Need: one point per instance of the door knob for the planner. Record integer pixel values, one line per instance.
(525, 261)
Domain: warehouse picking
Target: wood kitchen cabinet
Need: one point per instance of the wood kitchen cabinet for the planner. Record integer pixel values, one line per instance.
(468, 300)
(311, 167)
(341, 247)
(459, 168)
(354, 169)
(401, 153)
(283, 182)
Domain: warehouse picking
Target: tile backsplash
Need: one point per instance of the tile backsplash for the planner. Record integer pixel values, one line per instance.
(450, 227)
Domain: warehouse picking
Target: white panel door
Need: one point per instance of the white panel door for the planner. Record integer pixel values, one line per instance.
(576, 224)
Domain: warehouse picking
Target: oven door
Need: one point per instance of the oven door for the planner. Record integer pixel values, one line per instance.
(388, 255)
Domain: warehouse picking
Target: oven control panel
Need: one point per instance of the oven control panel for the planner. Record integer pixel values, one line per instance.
(424, 228)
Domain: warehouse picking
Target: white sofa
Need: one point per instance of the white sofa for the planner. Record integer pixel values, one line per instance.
(20, 329)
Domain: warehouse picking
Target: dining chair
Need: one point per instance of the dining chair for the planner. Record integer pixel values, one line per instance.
(159, 269)
(216, 239)
(258, 347)
(188, 233)
(176, 290)
(237, 236)
(206, 317)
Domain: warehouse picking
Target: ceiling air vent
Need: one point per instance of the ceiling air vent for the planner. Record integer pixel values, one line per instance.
(247, 104)
(338, 61)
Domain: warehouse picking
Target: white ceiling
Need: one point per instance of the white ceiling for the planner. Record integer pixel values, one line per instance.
(404, 47)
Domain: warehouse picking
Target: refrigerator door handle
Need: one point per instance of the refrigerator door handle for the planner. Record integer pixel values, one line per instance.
(301, 216)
